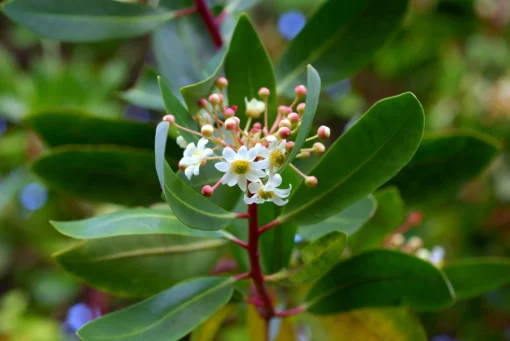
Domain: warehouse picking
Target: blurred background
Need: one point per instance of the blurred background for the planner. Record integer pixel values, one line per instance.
(453, 54)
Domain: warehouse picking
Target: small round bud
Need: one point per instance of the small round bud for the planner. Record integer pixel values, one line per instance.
(234, 107)
(415, 218)
(414, 243)
(229, 112)
(238, 121)
(397, 240)
(323, 132)
(257, 125)
(202, 103)
(289, 146)
(169, 118)
(285, 123)
(222, 82)
(230, 123)
(207, 191)
(284, 133)
(207, 130)
(214, 99)
(318, 148)
(311, 181)
(221, 98)
(293, 118)
(264, 93)
(301, 108)
(304, 155)
(300, 91)
(284, 110)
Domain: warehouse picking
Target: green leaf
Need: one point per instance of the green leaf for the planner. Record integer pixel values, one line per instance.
(313, 86)
(85, 21)
(442, 164)
(168, 316)
(138, 221)
(208, 330)
(140, 265)
(120, 175)
(182, 116)
(390, 214)
(379, 324)
(339, 39)
(145, 93)
(370, 153)
(193, 209)
(474, 277)
(319, 257)
(381, 278)
(248, 68)
(348, 221)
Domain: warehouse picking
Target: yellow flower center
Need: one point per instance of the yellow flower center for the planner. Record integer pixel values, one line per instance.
(276, 159)
(266, 195)
(240, 167)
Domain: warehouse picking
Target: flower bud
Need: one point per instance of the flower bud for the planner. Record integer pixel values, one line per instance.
(254, 108)
(293, 118)
(238, 121)
(414, 243)
(229, 112)
(284, 110)
(234, 107)
(257, 125)
(214, 99)
(264, 93)
(301, 108)
(303, 155)
(284, 133)
(323, 132)
(207, 130)
(169, 118)
(285, 123)
(221, 97)
(318, 148)
(289, 146)
(222, 83)
(230, 123)
(311, 181)
(207, 191)
(202, 103)
(397, 240)
(415, 218)
(300, 91)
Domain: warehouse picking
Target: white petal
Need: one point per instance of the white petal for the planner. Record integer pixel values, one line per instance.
(222, 166)
(207, 152)
(242, 182)
(196, 160)
(249, 201)
(252, 154)
(254, 187)
(258, 173)
(276, 180)
(202, 143)
(196, 170)
(229, 154)
(279, 201)
(263, 152)
(263, 164)
(242, 152)
(228, 177)
(283, 193)
(252, 177)
(188, 172)
(233, 180)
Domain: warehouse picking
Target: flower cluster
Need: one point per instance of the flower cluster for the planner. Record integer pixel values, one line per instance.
(252, 153)
(415, 246)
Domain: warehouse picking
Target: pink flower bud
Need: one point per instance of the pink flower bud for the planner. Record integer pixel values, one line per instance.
(207, 191)
(214, 99)
(202, 103)
(289, 146)
(318, 148)
(222, 82)
(169, 118)
(238, 121)
(221, 97)
(229, 112)
(264, 93)
(207, 130)
(234, 107)
(311, 181)
(284, 133)
(285, 123)
(415, 218)
(300, 91)
(257, 125)
(301, 108)
(230, 123)
(293, 118)
(323, 132)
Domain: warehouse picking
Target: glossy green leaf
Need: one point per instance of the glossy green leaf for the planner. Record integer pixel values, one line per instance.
(120, 175)
(474, 277)
(193, 209)
(371, 152)
(82, 21)
(380, 278)
(442, 164)
(248, 68)
(319, 256)
(145, 93)
(348, 221)
(339, 39)
(390, 214)
(182, 116)
(313, 86)
(388, 324)
(168, 316)
(138, 221)
(140, 265)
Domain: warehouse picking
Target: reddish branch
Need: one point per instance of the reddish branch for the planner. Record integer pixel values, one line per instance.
(210, 22)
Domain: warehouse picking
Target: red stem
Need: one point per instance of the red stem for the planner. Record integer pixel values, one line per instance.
(242, 215)
(185, 11)
(269, 225)
(209, 22)
(290, 312)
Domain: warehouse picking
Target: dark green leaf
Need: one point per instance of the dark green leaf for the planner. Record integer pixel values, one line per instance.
(372, 151)
(442, 164)
(193, 209)
(339, 39)
(102, 173)
(381, 278)
(474, 277)
(390, 214)
(145, 93)
(248, 68)
(168, 316)
(140, 265)
(348, 221)
(81, 21)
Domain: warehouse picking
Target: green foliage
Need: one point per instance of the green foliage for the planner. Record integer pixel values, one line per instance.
(146, 92)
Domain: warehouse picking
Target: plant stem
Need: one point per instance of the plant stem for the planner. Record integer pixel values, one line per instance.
(271, 224)
(290, 312)
(210, 22)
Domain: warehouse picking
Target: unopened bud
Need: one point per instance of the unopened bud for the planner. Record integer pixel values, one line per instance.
(415, 218)
(323, 132)
(230, 124)
(238, 121)
(284, 110)
(229, 112)
(207, 191)
(304, 155)
(221, 97)
(318, 148)
(284, 133)
(311, 181)
(207, 130)
(300, 91)
(264, 93)
(301, 108)
(285, 123)
(222, 82)
(289, 146)
(414, 243)
(202, 103)
(293, 118)
(234, 107)
(397, 240)
(214, 99)
(169, 118)
(257, 125)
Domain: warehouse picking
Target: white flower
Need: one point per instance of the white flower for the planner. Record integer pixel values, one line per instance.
(194, 157)
(240, 167)
(254, 108)
(435, 256)
(268, 192)
(274, 154)
(181, 142)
